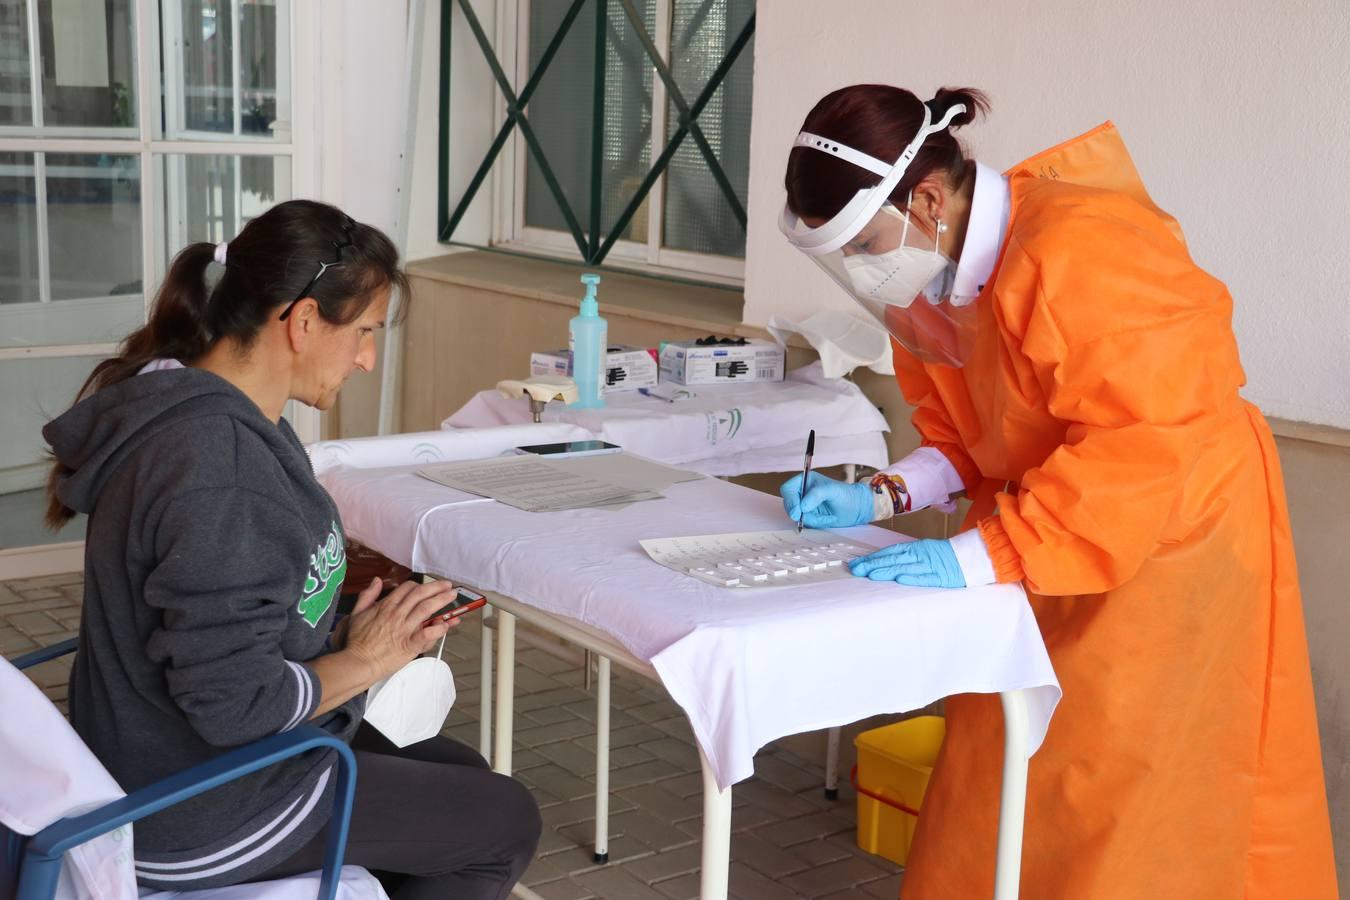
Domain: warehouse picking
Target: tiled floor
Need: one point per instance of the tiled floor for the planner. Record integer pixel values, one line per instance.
(788, 840)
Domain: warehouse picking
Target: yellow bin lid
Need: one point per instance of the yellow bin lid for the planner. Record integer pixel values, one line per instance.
(914, 741)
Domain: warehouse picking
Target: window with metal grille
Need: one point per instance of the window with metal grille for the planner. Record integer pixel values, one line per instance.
(623, 130)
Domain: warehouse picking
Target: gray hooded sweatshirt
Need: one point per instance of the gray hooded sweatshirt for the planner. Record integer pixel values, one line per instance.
(212, 567)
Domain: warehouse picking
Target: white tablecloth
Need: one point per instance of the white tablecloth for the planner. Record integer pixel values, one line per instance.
(731, 429)
(746, 666)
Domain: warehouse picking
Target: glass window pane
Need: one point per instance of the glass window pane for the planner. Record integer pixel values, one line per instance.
(16, 99)
(32, 391)
(697, 215)
(211, 198)
(88, 63)
(93, 244)
(94, 225)
(234, 60)
(208, 65)
(627, 151)
(258, 66)
(19, 280)
(561, 115)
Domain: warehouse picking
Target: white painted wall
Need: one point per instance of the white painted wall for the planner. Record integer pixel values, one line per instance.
(475, 116)
(1236, 115)
(361, 86)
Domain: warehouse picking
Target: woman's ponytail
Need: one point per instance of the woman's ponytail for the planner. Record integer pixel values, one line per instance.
(178, 328)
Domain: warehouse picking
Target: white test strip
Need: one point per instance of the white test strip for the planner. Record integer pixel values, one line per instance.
(776, 567)
(730, 576)
(706, 573)
(821, 559)
(766, 568)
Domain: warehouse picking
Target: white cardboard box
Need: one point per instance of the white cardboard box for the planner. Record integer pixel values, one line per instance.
(684, 362)
(626, 368)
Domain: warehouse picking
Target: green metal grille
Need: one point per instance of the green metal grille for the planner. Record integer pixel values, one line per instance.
(593, 243)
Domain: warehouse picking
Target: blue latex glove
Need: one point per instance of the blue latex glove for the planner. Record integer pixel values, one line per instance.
(920, 563)
(828, 503)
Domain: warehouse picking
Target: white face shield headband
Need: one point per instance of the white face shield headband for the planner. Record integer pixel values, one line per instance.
(894, 270)
(858, 212)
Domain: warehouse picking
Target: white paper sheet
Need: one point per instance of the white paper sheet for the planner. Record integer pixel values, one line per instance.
(752, 559)
(532, 484)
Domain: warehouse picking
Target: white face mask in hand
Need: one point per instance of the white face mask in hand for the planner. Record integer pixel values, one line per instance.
(412, 704)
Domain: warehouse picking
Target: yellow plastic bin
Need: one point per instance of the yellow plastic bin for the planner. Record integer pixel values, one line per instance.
(894, 765)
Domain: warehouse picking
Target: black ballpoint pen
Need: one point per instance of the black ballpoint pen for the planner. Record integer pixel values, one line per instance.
(806, 471)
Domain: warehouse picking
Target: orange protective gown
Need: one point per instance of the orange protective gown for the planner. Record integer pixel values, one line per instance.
(1115, 470)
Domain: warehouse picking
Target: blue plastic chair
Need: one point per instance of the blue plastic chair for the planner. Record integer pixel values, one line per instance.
(33, 864)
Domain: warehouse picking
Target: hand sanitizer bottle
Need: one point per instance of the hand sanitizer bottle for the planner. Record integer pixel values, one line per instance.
(588, 337)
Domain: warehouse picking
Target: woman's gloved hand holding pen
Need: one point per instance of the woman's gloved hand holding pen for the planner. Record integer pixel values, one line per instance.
(827, 503)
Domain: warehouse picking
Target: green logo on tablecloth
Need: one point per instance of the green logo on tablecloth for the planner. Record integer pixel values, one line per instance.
(723, 425)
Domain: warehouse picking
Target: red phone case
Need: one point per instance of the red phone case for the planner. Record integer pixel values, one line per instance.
(457, 612)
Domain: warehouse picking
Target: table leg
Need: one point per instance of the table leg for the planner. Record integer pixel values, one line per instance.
(832, 736)
(485, 688)
(716, 874)
(1012, 806)
(506, 690)
(832, 764)
(602, 762)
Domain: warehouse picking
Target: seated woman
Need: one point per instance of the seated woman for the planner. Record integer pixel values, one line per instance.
(212, 566)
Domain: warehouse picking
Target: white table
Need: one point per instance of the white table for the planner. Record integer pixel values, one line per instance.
(603, 594)
(722, 430)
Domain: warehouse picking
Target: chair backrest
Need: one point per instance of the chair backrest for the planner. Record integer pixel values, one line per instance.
(47, 774)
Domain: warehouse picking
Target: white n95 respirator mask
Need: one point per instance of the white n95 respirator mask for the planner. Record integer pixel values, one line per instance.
(412, 704)
(894, 278)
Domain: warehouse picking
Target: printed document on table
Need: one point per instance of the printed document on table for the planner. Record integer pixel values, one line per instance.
(633, 472)
(531, 484)
(758, 558)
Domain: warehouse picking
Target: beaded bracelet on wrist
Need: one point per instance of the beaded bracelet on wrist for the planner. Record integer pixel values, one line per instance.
(894, 486)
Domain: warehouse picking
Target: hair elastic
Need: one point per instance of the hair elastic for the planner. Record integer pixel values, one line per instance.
(222, 249)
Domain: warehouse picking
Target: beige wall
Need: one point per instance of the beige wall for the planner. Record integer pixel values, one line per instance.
(462, 338)
(1211, 97)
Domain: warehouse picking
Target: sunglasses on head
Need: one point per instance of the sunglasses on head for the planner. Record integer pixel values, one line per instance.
(346, 241)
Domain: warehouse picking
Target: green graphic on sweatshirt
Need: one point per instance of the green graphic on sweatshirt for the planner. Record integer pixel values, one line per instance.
(327, 568)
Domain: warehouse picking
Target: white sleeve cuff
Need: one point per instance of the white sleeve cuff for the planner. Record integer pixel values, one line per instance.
(976, 564)
(930, 478)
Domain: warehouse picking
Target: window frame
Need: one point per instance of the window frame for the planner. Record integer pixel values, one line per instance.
(152, 145)
(507, 180)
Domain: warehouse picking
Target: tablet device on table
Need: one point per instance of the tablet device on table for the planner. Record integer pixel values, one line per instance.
(571, 448)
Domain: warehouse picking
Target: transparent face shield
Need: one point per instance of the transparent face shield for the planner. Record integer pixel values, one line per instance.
(887, 262)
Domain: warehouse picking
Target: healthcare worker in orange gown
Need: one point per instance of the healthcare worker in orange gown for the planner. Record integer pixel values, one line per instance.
(1075, 374)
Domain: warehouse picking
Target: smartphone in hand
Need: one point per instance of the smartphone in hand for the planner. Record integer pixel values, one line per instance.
(464, 601)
